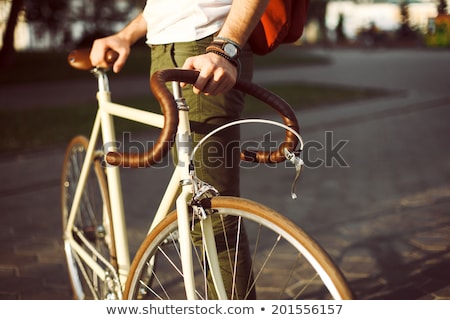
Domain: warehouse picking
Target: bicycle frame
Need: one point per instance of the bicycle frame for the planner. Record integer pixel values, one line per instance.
(104, 125)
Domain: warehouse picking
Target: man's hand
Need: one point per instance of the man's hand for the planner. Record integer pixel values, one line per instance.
(101, 46)
(217, 74)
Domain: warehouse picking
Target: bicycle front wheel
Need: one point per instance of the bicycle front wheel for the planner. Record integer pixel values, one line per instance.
(262, 255)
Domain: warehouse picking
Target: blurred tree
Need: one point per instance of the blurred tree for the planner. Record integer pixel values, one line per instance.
(57, 18)
(439, 28)
(408, 32)
(317, 12)
(66, 22)
(405, 28)
(442, 7)
(48, 17)
(341, 38)
(103, 17)
(7, 52)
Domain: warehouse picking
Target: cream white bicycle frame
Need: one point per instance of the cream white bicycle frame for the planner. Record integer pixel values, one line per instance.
(104, 124)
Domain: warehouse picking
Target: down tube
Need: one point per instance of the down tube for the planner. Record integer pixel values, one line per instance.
(117, 208)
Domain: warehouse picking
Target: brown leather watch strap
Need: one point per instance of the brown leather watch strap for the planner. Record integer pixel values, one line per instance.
(219, 51)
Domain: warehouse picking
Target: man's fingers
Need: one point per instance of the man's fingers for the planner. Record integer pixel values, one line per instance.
(120, 62)
(216, 76)
(206, 74)
(215, 87)
(96, 56)
(124, 53)
(200, 84)
(101, 46)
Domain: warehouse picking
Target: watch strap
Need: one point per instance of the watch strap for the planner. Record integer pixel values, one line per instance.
(219, 51)
(227, 40)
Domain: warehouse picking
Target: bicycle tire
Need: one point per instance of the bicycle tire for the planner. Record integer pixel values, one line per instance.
(286, 262)
(93, 221)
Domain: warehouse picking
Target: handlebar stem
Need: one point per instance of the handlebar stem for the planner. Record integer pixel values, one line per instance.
(178, 97)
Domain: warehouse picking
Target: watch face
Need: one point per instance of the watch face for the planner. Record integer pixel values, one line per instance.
(230, 50)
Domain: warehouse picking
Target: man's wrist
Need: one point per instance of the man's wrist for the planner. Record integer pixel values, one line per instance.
(220, 52)
(134, 31)
(236, 62)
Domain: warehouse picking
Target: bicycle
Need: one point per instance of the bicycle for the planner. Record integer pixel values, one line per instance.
(179, 257)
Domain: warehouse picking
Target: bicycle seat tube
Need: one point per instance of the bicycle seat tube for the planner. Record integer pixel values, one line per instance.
(113, 175)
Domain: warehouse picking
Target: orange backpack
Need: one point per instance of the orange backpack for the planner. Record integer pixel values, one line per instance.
(282, 22)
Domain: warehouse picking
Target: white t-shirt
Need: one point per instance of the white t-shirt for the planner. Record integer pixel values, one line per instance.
(171, 21)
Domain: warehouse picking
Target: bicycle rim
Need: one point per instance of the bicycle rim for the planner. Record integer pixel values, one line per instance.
(93, 229)
(263, 256)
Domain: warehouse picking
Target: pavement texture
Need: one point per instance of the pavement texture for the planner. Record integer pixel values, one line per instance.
(375, 195)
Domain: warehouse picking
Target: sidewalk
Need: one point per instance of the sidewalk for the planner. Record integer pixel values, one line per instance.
(384, 218)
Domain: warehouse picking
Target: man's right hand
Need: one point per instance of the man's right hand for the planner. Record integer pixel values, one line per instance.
(102, 45)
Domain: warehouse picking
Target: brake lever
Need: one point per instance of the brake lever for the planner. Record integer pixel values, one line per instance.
(298, 164)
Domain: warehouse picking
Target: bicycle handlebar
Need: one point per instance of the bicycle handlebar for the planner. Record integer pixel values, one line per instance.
(170, 111)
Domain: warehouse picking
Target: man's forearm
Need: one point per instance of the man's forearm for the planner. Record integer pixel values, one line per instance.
(135, 30)
(242, 19)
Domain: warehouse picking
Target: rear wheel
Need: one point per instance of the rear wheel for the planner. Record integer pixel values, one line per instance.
(92, 229)
(285, 263)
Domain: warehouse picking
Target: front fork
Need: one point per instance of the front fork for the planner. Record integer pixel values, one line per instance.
(191, 189)
(208, 240)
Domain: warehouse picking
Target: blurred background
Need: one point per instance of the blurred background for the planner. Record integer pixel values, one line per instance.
(61, 24)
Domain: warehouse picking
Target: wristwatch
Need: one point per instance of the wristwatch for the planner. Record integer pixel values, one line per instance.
(230, 49)
(226, 48)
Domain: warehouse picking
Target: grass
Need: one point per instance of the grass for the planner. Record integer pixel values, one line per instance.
(33, 67)
(302, 96)
(45, 127)
(53, 126)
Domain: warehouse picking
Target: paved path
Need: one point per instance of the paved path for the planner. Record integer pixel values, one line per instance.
(383, 213)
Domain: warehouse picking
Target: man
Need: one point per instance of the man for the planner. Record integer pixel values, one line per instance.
(209, 36)
(179, 32)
